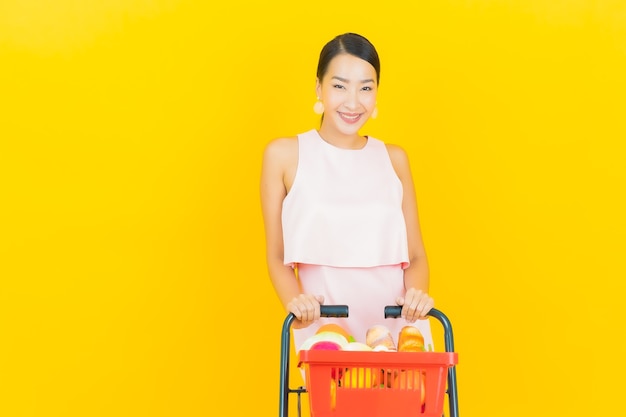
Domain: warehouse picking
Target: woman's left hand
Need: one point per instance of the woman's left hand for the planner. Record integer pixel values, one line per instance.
(415, 304)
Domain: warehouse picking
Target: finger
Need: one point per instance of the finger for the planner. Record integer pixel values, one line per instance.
(419, 308)
(312, 308)
(401, 303)
(409, 312)
(308, 309)
(316, 312)
(293, 308)
(298, 306)
(415, 304)
(413, 294)
(312, 305)
(429, 306)
(298, 311)
(425, 306)
(412, 297)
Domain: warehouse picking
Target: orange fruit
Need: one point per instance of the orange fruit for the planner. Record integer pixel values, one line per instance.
(359, 378)
(411, 380)
(334, 327)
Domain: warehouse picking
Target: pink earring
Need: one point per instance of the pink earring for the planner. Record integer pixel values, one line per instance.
(318, 107)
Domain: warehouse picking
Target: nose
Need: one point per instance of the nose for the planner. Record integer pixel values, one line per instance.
(352, 100)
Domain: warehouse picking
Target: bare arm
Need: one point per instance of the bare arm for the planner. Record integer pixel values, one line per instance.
(278, 168)
(416, 302)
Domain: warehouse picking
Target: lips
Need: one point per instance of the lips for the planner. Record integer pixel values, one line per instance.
(350, 117)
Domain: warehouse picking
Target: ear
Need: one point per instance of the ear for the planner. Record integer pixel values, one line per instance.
(318, 87)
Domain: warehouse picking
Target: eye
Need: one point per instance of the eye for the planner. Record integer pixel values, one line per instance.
(337, 86)
(367, 88)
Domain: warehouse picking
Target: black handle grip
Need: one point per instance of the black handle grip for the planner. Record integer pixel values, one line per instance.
(334, 311)
(393, 312)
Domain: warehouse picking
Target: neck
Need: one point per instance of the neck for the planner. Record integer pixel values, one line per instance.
(340, 140)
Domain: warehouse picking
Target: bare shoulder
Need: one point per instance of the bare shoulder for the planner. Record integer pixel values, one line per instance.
(399, 158)
(281, 149)
(396, 151)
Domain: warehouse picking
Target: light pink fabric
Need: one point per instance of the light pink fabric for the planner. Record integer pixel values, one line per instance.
(366, 292)
(344, 230)
(344, 208)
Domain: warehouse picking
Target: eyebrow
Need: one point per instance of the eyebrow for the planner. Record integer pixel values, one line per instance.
(369, 80)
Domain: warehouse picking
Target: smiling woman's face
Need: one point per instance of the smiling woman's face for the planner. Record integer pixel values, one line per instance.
(348, 91)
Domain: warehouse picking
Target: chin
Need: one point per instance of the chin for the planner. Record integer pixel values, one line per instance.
(350, 132)
(350, 129)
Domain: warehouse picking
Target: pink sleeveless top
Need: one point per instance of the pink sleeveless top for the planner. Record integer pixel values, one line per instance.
(344, 208)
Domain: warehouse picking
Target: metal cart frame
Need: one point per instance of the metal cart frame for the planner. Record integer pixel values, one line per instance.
(342, 311)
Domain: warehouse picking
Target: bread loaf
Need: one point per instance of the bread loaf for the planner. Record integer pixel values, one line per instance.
(379, 335)
(410, 339)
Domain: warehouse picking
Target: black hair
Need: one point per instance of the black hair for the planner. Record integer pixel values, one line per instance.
(348, 43)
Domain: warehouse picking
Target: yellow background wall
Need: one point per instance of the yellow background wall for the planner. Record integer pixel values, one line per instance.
(132, 275)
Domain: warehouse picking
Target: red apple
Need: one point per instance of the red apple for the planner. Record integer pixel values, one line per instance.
(329, 345)
(325, 345)
(324, 336)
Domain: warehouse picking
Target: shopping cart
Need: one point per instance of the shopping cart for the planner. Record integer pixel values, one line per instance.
(381, 383)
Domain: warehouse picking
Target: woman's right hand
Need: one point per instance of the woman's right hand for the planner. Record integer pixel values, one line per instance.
(306, 308)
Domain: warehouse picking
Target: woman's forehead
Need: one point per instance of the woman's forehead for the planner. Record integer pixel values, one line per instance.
(351, 68)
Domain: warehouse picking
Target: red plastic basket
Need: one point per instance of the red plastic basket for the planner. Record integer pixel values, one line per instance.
(363, 383)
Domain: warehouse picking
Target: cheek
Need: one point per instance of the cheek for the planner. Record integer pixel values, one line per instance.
(333, 99)
(369, 100)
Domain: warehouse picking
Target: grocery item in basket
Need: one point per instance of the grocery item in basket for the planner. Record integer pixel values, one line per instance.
(357, 346)
(334, 327)
(326, 345)
(411, 379)
(379, 335)
(410, 339)
(333, 337)
(327, 341)
(358, 378)
(382, 348)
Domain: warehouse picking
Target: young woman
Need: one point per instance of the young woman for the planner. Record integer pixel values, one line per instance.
(340, 211)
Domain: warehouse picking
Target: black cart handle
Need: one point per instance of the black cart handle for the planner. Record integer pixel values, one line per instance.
(334, 311)
(394, 312)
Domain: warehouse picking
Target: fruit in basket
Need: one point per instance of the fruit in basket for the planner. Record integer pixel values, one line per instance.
(410, 379)
(359, 378)
(382, 348)
(327, 341)
(357, 346)
(324, 337)
(335, 373)
(379, 335)
(334, 327)
(325, 345)
(410, 339)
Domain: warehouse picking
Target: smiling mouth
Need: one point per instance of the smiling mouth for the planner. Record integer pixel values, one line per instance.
(349, 117)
